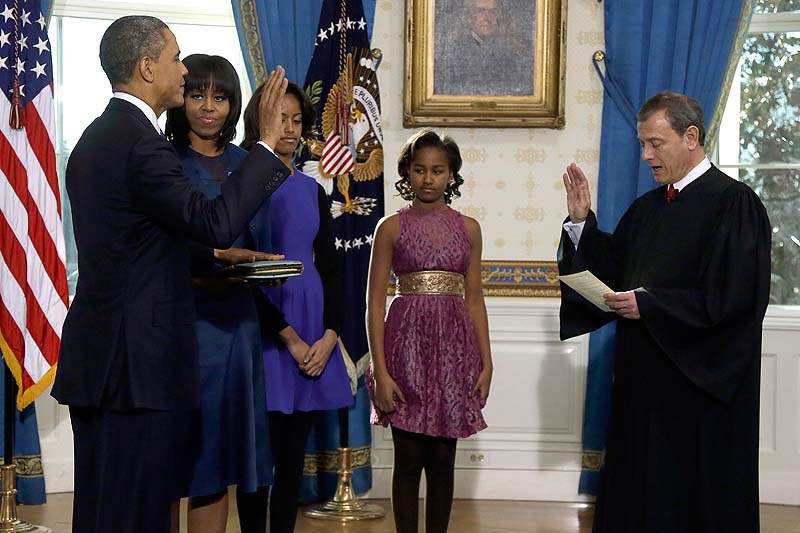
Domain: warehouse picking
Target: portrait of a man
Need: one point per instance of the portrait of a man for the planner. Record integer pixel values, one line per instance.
(484, 47)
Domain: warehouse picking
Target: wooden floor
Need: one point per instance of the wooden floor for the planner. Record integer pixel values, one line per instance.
(469, 516)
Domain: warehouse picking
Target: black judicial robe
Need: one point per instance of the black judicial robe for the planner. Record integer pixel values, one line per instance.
(682, 446)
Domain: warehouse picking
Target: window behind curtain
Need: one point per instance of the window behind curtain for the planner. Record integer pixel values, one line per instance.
(82, 90)
(759, 140)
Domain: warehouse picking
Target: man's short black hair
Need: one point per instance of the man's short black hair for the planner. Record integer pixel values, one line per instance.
(128, 40)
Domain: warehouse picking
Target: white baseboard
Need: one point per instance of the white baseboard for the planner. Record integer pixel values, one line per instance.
(59, 475)
(782, 488)
(485, 484)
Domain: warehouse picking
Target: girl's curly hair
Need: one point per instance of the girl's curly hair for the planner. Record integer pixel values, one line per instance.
(429, 139)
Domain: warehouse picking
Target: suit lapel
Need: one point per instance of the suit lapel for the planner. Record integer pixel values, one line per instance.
(117, 104)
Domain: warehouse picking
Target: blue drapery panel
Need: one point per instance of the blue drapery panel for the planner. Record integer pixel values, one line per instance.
(277, 32)
(27, 453)
(684, 46)
(47, 9)
(320, 474)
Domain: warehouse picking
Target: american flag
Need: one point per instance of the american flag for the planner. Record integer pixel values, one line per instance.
(33, 281)
(336, 156)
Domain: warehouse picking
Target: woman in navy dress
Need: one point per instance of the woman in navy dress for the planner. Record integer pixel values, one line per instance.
(231, 444)
(304, 367)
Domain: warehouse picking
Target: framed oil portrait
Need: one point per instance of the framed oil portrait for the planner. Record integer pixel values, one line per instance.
(490, 63)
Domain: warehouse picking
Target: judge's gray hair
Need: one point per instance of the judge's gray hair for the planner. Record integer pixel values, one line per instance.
(682, 111)
(128, 40)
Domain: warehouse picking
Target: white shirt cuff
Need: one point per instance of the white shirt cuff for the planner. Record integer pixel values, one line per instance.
(265, 145)
(574, 231)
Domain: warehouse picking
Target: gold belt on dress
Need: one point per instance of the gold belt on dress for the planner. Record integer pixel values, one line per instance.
(430, 282)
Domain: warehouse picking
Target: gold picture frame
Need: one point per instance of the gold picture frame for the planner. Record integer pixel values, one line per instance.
(483, 81)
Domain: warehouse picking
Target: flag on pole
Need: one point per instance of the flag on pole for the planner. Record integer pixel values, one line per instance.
(33, 280)
(347, 159)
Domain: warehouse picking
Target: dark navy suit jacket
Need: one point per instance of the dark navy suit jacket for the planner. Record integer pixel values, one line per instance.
(129, 337)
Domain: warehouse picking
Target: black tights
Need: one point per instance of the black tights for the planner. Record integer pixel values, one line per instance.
(413, 453)
(288, 435)
(252, 507)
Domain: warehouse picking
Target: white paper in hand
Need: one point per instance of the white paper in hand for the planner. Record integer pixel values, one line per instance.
(587, 285)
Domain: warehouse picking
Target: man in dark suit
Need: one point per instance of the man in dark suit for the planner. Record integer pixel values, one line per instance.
(128, 363)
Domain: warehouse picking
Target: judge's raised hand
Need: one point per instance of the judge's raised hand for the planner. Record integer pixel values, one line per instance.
(269, 108)
(623, 303)
(579, 201)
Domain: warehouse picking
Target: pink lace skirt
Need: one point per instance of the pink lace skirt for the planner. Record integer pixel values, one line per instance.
(432, 354)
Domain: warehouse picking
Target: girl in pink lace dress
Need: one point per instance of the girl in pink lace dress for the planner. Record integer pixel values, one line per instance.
(431, 363)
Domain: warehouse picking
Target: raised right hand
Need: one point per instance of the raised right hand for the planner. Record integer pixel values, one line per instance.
(579, 200)
(385, 391)
(269, 108)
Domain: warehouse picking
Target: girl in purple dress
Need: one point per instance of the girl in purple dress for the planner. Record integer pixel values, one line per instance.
(304, 368)
(431, 363)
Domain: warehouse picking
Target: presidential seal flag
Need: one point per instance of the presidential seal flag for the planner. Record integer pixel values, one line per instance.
(33, 281)
(347, 159)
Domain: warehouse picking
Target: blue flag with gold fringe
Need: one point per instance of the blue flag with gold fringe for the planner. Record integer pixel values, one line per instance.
(27, 453)
(347, 159)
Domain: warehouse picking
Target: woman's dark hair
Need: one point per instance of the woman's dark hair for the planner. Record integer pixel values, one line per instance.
(207, 72)
(429, 139)
(251, 130)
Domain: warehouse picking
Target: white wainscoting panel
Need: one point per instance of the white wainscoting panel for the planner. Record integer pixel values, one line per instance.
(780, 407)
(55, 435)
(531, 450)
(532, 447)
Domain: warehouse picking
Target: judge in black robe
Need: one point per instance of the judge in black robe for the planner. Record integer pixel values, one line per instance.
(682, 445)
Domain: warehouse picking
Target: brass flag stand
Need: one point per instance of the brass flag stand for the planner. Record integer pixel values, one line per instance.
(9, 521)
(345, 505)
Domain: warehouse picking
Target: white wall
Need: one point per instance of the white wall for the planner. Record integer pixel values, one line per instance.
(780, 407)
(531, 449)
(513, 176)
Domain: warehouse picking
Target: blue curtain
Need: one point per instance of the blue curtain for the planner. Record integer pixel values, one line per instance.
(686, 46)
(26, 451)
(277, 32)
(47, 10)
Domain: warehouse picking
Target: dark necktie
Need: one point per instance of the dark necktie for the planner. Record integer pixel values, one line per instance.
(672, 193)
